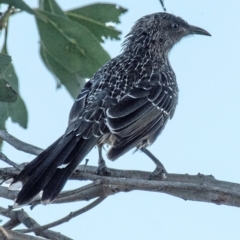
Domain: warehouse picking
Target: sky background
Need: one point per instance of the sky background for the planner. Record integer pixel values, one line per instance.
(203, 137)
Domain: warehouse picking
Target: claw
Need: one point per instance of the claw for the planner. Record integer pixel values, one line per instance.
(160, 170)
(103, 170)
(158, 173)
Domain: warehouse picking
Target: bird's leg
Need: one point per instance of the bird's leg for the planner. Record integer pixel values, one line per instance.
(102, 167)
(160, 169)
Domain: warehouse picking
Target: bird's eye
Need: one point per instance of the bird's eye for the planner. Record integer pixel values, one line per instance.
(174, 25)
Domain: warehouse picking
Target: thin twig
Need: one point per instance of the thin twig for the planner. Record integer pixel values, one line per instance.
(9, 234)
(5, 159)
(163, 6)
(82, 193)
(18, 144)
(66, 218)
(29, 222)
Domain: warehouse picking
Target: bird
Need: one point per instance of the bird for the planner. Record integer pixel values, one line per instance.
(125, 105)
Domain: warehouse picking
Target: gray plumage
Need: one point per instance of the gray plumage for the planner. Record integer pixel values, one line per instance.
(126, 104)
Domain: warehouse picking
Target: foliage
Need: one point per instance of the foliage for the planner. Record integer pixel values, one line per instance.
(70, 47)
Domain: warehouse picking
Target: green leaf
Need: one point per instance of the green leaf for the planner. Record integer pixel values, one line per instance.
(7, 94)
(16, 111)
(18, 4)
(3, 114)
(71, 45)
(5, 61)
(52, 7)
(97, 28)
(101, 12)
(72, 81)
(95, 16)
(12, 77)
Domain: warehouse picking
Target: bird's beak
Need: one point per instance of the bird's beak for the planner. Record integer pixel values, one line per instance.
(197, 30)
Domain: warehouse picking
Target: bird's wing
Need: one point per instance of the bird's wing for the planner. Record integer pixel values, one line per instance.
(78, 108)
(87, 114)
(140, 116)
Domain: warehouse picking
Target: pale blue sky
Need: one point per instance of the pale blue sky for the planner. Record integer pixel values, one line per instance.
(203, 136)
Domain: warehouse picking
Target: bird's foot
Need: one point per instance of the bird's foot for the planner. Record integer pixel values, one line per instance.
(159, 173)
(103, 169)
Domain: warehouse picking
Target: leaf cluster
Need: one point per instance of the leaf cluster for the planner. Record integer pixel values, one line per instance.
(70, 47)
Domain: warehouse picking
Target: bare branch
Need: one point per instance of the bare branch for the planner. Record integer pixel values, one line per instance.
(9, 172)
(66, 218)
(12, 235)
(85, 193)
(24, 218)
(5, 193)
(12, 223)
(5, 159)
(163, 5)
(18, 144)
(196, 188)
(188, 187)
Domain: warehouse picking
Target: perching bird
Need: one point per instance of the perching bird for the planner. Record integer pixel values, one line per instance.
(126, 104)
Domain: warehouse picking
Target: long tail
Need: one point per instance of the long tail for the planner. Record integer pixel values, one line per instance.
(49, 171)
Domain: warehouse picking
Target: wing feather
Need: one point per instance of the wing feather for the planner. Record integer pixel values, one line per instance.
(140, 116)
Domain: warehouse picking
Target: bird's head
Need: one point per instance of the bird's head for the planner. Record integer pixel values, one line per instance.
(157, 33)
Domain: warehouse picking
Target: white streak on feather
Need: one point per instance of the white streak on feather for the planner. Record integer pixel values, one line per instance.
(15, 186)
(9, 181)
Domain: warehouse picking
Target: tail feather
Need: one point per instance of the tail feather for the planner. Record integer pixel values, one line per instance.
(43, 172)
(35, 176)
(33, 165)
(60, 177)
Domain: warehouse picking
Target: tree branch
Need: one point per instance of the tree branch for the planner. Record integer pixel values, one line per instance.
(24, 218)
(163, 5)
(18, 144)
(66, 218)
(5, 193)
(12, 223)
(12, 235)
(188, 187)
(5, 159)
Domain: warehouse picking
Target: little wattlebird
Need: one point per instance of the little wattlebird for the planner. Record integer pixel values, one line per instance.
(126, 104)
